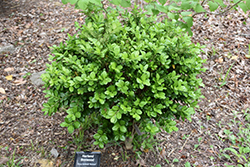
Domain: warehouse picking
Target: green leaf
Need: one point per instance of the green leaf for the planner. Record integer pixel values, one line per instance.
(120, 83)
(101, 145)
(71, 89)
(243, 6)
(83, 4)
(248, 5)
(64, 124)
(111, 91)
(78, 115)
(171, 15)
(123, 129)
(139, 80)
(106, 81)
(212, 5)
(115, 127)
(142, 104)
(163, 9)
(71, 129)
(198, 8)
(174, 128)
(73, 1)
(232, 150)
(116, 2)
(102, 101)
(122, 122)
(160, 95)
(227, 156)
(46, 105)
(104, 138)
(78, 78)
(220, 2)
(138, 111)
(64, 1)
(92, 75)
(190, 111)
(115, 108)
(125, 3)
(131, 93)
(116, 50)
(122, 138)
(186, 13)
(111, 113)
(137, 117)
(189, 21)
(246, 150)
(186, 5)
(97, 2)
(113, 119)
(97, 136)
(187, 164)
(118, 115)
(100, 131)
(77, 124)
(155, 12)
(173, 7)
(163, 2)
(104, 74)
(144, 77)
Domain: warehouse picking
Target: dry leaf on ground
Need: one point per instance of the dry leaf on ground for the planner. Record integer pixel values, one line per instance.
(163, 153)
(141, 162)
(234, 57)
(58, 162)
(221, 133)
(2, 97)
(220, 60)
(3, 160)
(9, 77)
(8, 69)
(45, 163)
(19, 81)
(2, 91)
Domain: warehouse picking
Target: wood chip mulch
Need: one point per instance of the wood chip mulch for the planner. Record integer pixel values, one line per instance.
(33, 27)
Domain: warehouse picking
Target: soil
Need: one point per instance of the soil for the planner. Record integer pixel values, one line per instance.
(34, 26)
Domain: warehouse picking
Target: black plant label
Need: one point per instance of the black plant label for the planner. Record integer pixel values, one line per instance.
(87, 159)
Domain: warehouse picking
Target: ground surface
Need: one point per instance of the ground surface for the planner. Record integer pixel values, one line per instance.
(32, 27)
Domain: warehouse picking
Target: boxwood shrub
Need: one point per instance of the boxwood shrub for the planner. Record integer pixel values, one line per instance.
(137, 74)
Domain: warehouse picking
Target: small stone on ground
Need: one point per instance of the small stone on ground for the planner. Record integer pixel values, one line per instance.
(35, 78)
(54, 152)
(8, 48)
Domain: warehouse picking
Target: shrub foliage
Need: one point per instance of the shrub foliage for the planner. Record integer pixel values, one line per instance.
(137, 74)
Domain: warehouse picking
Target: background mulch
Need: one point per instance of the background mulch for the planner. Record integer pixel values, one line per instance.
(33, 26)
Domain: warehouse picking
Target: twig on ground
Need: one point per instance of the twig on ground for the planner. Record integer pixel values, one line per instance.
(186, 141)
(171, 152)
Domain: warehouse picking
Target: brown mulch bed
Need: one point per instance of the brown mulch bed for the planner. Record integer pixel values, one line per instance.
(32, 27)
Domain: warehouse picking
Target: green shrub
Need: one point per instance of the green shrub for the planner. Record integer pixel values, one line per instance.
(136, 73)
(183, 11)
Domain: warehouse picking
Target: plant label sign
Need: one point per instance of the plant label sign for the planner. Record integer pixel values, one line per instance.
(87, 159)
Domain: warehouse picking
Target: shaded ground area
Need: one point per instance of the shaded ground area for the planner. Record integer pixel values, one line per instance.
(9, 7)
(35, 26)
